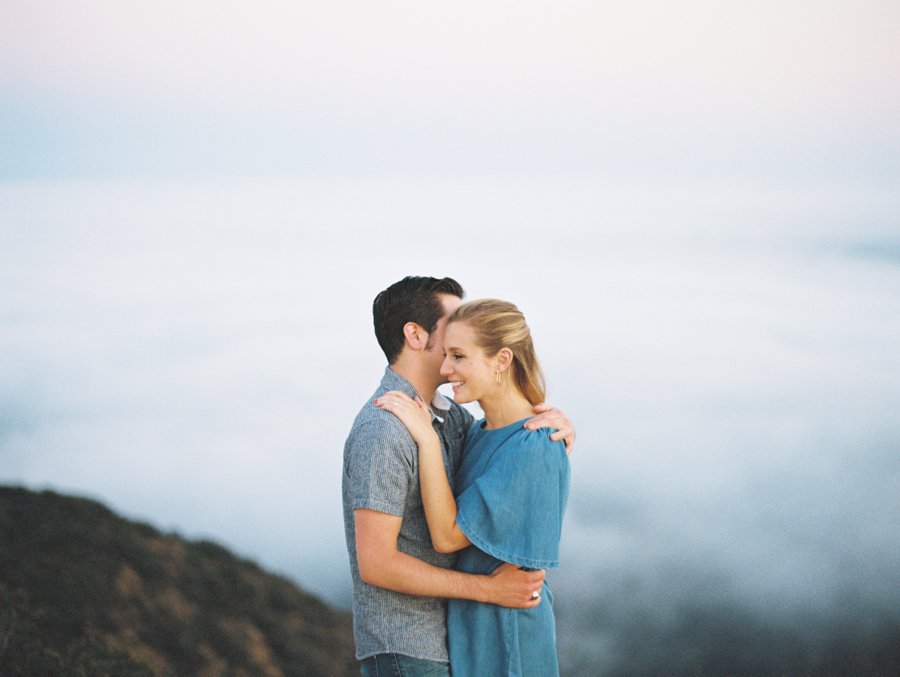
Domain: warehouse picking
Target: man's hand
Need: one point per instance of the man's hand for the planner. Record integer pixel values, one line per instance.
(551, 417)
(511, 586)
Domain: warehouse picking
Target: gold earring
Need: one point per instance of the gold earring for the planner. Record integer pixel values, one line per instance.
(497, 376)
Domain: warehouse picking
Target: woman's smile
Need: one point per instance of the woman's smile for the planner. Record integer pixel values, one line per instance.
(464, 358)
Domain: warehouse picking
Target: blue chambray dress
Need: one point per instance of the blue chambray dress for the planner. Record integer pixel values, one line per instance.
(511, 492)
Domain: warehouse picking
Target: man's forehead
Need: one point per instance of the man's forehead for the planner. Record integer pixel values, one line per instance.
(450, 303)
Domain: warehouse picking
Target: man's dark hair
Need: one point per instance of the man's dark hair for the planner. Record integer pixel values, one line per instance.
(412, 299)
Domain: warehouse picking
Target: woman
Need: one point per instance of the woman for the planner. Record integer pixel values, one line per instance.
(511, 488)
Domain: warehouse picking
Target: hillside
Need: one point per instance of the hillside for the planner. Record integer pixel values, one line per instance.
(85, 592)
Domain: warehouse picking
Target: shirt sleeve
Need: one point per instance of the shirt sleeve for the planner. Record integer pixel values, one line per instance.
(381, 466)
(514, 510)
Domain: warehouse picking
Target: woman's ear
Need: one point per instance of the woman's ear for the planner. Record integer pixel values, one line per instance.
(503, 358)
(416, 337)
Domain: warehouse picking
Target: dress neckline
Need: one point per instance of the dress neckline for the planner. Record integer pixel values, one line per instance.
(483, 422)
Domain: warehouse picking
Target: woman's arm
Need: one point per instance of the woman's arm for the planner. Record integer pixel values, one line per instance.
(437, 496)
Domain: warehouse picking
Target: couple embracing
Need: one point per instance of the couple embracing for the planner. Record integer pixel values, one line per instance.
(451, 522)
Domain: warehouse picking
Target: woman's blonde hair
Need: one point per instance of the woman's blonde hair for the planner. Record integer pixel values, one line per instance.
(497, 325)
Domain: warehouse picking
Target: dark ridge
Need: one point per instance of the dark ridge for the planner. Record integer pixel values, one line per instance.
(85, 592)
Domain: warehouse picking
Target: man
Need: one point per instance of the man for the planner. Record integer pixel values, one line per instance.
(400, 583)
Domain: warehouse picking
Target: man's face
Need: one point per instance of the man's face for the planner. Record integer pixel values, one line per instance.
(435, 349)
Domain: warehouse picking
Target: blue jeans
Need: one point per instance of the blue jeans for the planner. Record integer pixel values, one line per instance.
(398, 665)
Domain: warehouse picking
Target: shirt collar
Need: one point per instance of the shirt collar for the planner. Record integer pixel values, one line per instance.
(393, 381)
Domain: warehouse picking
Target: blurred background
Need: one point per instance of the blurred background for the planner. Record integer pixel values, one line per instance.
(695, 205)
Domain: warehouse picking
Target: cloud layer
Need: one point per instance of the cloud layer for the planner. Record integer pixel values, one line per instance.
(193, 353)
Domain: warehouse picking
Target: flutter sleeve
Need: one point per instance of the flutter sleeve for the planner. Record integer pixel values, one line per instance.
(514, 510)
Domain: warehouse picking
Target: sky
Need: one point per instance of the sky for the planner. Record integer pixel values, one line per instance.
(697, 89)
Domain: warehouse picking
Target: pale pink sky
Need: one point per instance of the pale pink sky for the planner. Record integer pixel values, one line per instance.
(571, 76)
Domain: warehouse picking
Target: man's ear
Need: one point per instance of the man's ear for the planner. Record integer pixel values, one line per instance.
(416, 337)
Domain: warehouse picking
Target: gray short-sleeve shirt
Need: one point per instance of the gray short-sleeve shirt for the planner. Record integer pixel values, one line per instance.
(381, 472)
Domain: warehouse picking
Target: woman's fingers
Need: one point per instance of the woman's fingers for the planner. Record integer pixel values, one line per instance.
(399, 399)
(400, 403)
(392, 397)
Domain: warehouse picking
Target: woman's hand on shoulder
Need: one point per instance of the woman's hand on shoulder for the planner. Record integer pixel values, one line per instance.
(413, 413)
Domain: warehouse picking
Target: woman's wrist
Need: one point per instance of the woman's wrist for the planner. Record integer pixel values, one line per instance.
(427, 438)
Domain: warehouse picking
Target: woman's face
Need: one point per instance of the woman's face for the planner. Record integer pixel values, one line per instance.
(465, 366)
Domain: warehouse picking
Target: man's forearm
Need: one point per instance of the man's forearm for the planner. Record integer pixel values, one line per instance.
(407, 574)
(383, 565)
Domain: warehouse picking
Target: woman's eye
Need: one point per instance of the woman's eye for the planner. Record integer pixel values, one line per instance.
(457, 356)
